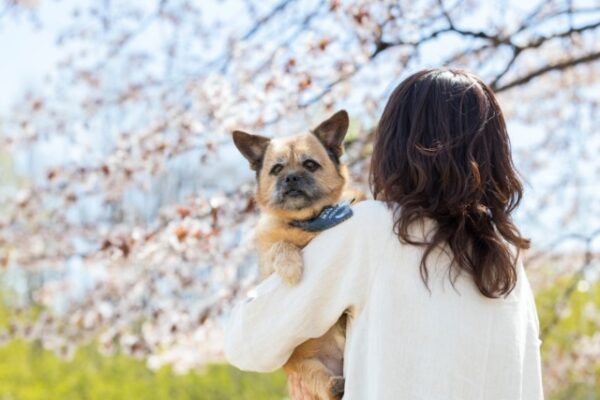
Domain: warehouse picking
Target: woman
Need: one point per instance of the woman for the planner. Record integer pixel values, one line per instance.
(429, 272)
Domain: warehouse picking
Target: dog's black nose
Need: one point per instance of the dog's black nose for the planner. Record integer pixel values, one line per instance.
(292, 178)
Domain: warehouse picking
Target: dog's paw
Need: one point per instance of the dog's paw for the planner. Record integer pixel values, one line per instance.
(336, 387)
(289, 273)
(290, 268)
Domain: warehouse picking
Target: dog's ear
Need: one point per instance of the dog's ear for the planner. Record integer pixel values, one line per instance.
(332, 131)
(253, 147)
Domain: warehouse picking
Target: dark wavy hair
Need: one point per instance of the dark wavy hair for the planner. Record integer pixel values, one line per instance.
(442, 152)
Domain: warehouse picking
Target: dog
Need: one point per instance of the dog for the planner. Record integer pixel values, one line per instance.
(299, 179)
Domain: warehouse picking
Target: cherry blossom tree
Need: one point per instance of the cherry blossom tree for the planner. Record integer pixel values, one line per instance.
(128, 216)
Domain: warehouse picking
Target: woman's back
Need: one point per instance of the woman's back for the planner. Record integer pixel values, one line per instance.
(448, 342)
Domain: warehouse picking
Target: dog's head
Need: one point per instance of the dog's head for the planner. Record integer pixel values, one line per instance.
(299, 175)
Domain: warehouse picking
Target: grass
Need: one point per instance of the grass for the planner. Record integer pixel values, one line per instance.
(28, 372)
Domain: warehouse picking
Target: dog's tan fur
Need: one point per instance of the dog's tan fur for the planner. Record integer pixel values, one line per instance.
(280, 244)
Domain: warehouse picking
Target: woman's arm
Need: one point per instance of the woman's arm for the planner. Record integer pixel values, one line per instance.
(264, 331)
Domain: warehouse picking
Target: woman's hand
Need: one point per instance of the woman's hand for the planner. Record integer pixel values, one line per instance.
(297, 389)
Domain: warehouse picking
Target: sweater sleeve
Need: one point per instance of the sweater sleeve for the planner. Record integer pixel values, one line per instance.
(263, 331)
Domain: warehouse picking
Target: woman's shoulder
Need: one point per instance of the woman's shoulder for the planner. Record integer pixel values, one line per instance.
(373, 211)
(374, 216)
(370, 219)
(367, 216)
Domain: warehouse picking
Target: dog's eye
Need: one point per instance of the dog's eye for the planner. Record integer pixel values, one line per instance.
(276, 169)
(310, 165)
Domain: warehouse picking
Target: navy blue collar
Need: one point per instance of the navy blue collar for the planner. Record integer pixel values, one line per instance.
(329, 217)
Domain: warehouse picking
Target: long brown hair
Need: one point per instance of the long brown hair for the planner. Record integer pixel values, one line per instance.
(442, 152)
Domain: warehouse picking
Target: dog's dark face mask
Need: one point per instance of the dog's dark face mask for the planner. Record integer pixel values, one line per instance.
(298, 172)
(297, 189)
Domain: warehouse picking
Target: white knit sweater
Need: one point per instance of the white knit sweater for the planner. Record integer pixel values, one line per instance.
(403, 341)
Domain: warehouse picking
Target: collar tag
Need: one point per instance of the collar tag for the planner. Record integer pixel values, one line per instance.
(329, 217)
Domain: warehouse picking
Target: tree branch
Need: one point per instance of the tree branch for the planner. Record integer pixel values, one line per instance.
(548, 68)
(276, 10)
(516, 52)
(222, 62)
(541, 40)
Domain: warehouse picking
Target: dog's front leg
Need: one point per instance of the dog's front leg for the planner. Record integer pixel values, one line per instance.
(286, 260)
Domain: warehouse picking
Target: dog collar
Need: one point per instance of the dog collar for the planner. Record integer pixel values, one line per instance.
(329, 217)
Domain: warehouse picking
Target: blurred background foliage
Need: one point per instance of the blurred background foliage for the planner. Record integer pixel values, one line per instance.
(29, 372)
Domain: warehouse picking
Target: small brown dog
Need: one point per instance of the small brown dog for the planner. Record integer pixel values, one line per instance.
(297, 178)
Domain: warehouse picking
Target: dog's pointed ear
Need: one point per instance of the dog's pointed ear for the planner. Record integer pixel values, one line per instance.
(253, 147)
(332, 132)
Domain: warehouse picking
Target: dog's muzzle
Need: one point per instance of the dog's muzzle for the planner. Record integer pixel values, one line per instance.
(296, 191)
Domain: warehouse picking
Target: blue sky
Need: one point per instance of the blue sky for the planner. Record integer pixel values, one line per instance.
(29, 53)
